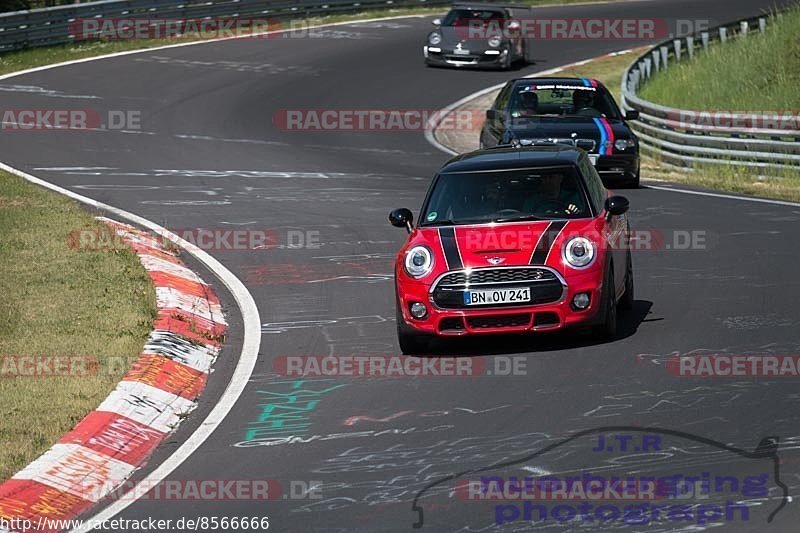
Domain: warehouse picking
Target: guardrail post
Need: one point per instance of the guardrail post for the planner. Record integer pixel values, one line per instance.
(704, 37)
(762, 24)
(664, 55)
(723, 35)
(644, 67)
(690, 47)
(744, 27)
(677, 45)
(656, 60)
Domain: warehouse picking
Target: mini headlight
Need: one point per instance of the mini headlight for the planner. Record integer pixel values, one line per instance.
(623, 144)
(494, 42)
(419, 261)
(579, 252)
(434, 38)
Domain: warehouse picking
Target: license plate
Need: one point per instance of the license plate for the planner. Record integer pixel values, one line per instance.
(593, 159)
(498, 296)
(461, 52)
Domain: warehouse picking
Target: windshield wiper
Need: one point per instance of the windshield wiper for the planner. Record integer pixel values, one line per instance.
(519, 219)
(450, 222)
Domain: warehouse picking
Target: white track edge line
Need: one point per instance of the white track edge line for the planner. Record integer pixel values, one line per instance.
(244, 367)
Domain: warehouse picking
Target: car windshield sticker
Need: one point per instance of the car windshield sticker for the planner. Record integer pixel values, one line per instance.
(431, 216)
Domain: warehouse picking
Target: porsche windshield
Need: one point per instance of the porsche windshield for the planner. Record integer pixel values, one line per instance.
(469, 17)
(533, 194)
(530, 101)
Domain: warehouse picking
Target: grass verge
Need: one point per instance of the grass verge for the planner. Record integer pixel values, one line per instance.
(759, 73)
(58, 301)
(37, 57)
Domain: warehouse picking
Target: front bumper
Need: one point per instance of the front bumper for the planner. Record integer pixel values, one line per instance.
(478, 58)
(618, 166)
(560, 314)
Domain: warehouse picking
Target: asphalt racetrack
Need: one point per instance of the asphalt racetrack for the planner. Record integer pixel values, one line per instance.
(208, 154)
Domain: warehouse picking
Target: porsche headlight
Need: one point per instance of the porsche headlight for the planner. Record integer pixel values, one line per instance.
(623, 144)
(579, 252)
(419, 261)
(434, 38)
(494, 42)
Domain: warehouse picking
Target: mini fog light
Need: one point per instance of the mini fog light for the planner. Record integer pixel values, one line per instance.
(581, 300)
(418, 310)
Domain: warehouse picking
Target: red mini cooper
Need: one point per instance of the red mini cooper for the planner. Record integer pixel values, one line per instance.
(513, 240)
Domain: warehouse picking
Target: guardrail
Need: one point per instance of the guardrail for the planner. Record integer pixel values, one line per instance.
(685, 137)
(55, 25)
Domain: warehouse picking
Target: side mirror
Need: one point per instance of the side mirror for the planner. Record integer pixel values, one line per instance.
(436, 22)
(617, 205)
(491, 114)
(633, 114)
(401, 218)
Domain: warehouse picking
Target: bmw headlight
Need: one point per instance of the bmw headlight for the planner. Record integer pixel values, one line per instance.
(494, 42)
(434, 38)
(623, 144)
(419, 261)
(579, 252)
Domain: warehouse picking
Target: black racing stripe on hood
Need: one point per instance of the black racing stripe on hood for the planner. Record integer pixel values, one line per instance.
(546, 241)
(447, 236)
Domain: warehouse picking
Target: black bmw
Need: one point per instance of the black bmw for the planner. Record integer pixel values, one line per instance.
(576, 111)
(478, 35)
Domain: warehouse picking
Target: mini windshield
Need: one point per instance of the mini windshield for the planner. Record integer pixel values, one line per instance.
(544, 193)
(561, 100)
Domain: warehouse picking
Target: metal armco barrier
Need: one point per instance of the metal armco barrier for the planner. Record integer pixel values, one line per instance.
(685, 137)
(55, 25)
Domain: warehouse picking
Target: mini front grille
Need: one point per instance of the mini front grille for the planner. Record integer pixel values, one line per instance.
(544, 285)
(498, 275)
(499, 321)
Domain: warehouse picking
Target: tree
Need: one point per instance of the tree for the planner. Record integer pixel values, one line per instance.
(14, 5)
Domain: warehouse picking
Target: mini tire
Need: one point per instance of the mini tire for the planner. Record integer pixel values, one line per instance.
(411, 343)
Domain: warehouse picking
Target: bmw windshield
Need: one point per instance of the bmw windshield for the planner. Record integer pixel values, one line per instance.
(537, 101)
(482, 197)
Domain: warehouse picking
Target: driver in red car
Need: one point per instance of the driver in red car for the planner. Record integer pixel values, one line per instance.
(552, 197)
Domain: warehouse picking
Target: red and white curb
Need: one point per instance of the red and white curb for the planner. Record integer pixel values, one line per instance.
(162, 386)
